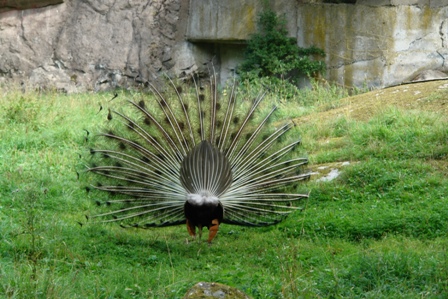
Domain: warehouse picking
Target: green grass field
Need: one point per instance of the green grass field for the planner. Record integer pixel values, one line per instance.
(377, 231)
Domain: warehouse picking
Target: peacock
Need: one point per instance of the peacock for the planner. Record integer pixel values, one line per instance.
(199, 158)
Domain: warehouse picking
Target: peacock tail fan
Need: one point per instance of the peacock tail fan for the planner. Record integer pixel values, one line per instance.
(190, 151)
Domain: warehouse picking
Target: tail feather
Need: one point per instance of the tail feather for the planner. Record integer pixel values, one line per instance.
(227, 119)
(173, 123)
(173, 146)
(231, 152)
(250, 162)
(213, 106)
(243, 151)
(181, 149)
(192, 142)
(206, 168)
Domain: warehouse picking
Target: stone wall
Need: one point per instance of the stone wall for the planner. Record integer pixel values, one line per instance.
(6, 5)
(92, 44)
(98, 44)
(376, 45)
(366, 44)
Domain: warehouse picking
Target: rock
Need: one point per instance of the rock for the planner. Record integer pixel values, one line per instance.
(103, 44)
(376, 46)
(214, 290)
(91, 44)
(429, 75)
(6, 5)
(51, 77)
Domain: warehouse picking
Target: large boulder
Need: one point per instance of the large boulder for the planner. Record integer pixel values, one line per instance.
(214, 290)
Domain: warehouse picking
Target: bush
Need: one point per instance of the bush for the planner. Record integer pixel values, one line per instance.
(271, 53)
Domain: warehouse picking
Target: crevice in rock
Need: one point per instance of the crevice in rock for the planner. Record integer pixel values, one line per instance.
(442, 34)
(443, 58)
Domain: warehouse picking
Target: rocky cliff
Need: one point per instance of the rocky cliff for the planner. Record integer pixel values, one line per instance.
(91, 44)
(98, 44)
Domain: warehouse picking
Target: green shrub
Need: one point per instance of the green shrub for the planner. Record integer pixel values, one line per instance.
(271, 53)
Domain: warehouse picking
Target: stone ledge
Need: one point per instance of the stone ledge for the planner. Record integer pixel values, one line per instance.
(232, 21)
(430, 3)
(7, 5)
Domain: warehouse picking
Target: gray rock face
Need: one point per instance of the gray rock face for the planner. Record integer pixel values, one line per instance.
(90, 44)
(6, 5)
(429, 75)
(100, 44)
(377, 45)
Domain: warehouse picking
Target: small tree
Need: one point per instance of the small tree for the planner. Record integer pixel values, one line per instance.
(271, 53)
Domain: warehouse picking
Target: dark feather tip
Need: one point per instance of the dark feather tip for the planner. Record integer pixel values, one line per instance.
(115, 96)
(141, 104)
(98, 203)
(201, 97)
(109, 115)
(182, 126)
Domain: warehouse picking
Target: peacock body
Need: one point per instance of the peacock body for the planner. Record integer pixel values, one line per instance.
(197, 158)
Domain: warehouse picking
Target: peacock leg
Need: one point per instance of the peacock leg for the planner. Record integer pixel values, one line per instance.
(191, 229)
(213, 230)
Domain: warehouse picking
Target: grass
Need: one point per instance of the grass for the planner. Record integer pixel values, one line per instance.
(378, 231)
